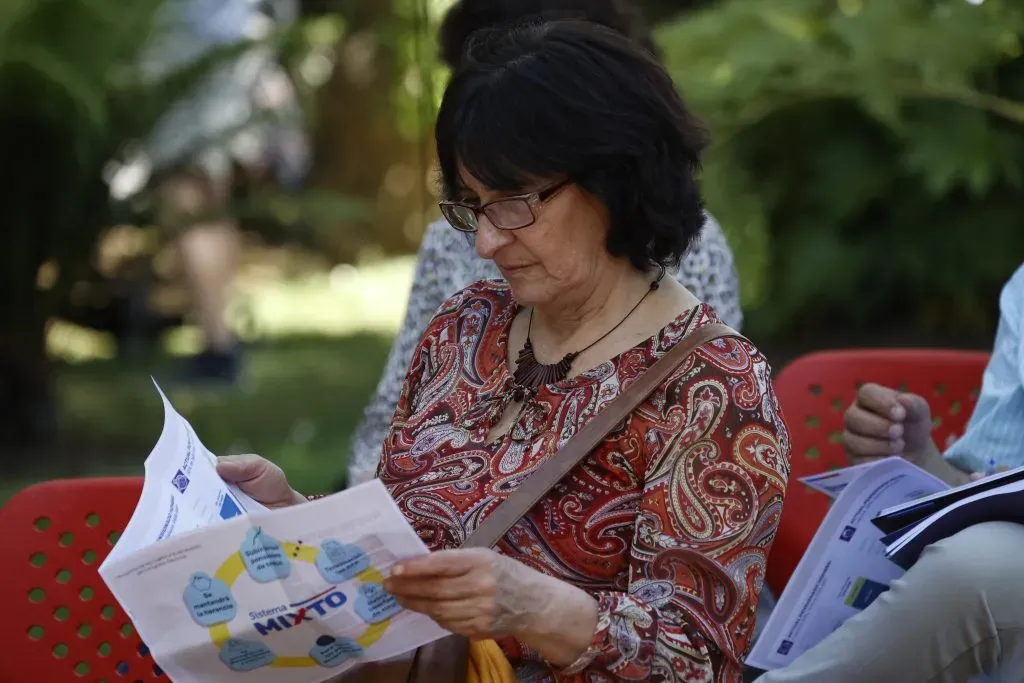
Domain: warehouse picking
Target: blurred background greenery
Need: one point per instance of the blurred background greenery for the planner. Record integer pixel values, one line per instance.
(867, 167)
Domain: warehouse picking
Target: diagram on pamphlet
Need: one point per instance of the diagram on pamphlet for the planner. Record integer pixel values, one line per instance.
(354, 587)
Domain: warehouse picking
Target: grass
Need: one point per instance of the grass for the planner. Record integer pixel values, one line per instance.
(319, 348)
(298, 404)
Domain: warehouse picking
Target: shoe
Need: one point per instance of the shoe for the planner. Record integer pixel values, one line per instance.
(213, 367)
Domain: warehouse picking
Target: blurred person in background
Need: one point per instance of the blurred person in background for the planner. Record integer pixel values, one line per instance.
(958, 614)
(212, 137)
(447, 261)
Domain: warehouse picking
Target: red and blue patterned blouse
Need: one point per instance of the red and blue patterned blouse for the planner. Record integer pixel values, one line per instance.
(667, 524)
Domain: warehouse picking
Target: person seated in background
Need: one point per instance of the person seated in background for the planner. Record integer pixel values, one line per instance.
(566, 150)
(959, 612)
(883, 421)
(447, 262)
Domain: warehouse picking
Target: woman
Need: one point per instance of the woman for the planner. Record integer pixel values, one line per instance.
(567, 150)
(447, 261)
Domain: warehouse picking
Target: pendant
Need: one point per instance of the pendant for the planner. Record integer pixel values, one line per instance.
(532, 374)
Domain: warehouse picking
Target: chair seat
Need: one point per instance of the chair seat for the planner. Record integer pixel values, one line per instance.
(64, 624)
(814, 392)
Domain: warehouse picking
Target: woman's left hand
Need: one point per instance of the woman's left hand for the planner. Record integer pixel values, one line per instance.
(481, 594)
(475, 592)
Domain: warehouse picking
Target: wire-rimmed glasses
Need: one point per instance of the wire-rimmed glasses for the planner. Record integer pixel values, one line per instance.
(507, 213)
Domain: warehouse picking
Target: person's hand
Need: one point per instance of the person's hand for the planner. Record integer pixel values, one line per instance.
(883, 422)
(479, 593)
(978, 476)
(475, 592)
(260, 479)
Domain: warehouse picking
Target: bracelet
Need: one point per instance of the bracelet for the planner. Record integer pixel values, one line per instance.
(582, 662)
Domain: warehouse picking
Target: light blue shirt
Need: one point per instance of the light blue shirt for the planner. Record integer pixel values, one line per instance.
(996, 428)
(186, 30)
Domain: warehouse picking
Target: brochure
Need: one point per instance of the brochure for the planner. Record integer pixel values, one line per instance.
(845, 567)
(221, 588)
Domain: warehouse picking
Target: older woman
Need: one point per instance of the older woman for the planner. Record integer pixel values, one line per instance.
(447, 261)
(567, 151)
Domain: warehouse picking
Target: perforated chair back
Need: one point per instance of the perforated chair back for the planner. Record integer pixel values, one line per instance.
(63, 623)
(814, 392)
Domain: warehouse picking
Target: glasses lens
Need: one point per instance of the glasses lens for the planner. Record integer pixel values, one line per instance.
(459, 217)
(510, 214)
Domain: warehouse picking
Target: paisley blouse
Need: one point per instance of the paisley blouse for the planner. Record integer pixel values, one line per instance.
(448, 262)
(669, 521)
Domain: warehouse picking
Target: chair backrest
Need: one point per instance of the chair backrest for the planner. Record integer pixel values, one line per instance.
(814, 392)
(63, 623)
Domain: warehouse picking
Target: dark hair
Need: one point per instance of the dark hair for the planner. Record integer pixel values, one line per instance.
(468, 16)
(573, 99)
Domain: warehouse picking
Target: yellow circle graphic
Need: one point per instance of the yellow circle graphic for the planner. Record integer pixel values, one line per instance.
(233, 567)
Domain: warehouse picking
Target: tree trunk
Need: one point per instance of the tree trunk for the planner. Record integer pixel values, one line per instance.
(53, 206)
(358, 140)
(27, 414)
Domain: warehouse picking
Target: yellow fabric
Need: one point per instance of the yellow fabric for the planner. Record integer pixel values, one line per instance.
(488, 664)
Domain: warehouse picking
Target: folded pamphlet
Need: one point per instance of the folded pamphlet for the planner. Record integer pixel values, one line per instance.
(844, 569)
(222, 589)
(882, 517)
(832, 483)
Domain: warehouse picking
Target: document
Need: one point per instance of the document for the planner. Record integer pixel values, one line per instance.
(845, 567)
(181, 490)
(222, 589)
(833, 482)
(913, 526)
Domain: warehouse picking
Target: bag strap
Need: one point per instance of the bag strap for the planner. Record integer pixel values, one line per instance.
(551, 471)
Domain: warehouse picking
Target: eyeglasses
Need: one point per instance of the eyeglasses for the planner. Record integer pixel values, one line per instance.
(507, 213)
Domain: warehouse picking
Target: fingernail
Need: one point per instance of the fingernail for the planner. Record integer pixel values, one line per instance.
(397, 570)
(898, 413)
(896, 446)
(896, 432)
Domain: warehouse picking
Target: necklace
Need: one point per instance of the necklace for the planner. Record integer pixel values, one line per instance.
(531, 374)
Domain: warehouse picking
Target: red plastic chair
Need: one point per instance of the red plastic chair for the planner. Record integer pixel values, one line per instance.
(62, 623)
(814, 392)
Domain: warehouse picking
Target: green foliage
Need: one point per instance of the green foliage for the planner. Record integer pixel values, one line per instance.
(869, 155)
(54, 117)
(417, 94)
(71, 96)
(74, 93)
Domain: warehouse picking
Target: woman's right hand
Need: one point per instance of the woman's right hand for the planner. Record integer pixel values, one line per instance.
(260, 479)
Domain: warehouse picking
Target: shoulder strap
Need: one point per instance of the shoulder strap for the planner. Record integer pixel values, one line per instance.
(552, 470)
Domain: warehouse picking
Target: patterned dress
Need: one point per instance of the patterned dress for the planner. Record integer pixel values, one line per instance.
(447, 263)
(668, 523)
